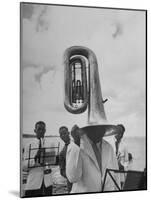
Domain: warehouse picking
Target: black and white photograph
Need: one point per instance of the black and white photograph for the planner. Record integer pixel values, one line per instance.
(83, 74)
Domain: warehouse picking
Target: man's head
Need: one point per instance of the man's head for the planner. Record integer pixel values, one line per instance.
(76, 133)
(121, 132)
(95, 132)
(40, 129)
(64, 134)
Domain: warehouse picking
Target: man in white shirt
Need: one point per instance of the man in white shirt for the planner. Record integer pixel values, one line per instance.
(121, 153)
(86, 165)
(64, 135)
(39, 180)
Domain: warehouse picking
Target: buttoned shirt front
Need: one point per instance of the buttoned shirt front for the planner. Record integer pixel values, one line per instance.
(36, 175)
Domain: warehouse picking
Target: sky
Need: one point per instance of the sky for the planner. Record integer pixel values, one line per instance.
(117, 37)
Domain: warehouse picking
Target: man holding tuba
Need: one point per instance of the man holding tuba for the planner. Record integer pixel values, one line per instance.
(88, 158)
(86, 164)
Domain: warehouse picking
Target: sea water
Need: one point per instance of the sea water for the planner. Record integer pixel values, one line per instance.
(134, 145)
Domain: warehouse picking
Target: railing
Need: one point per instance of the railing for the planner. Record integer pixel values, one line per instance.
(45, 156)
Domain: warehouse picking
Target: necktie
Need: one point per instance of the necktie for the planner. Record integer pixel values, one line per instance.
(39, 149)
(98, 156)
(40, 153)
(65, 152)
(66, 146)
(116, 147)
(40, 144)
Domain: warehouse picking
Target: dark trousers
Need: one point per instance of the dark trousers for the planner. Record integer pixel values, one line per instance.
(69, 186)
(43, 191)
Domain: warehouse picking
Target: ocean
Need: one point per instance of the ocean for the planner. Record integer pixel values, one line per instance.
(134, 145)
(137, 146)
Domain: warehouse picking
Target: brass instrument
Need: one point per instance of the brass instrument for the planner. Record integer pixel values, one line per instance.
(82, 84)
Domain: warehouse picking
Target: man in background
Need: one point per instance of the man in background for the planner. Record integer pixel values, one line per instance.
(39, 180)
(121, 153)
(64, 135)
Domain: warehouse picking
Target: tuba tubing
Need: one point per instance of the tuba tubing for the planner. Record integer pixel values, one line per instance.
(68, 86)
(93, 95)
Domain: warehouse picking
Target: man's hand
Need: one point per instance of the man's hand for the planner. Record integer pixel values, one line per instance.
(39, 157)
(37, 164)
(76, 133)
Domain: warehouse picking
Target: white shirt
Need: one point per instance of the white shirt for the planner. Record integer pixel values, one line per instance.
(36, 175)
(122, 155)
(82, 168)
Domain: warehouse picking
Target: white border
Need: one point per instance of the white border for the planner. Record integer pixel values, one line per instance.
(9, 89)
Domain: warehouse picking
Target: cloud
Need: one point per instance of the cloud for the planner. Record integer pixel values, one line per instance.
(37, 15)
(45, 70)
(42, 23)
(27, 10)
(117, 30)
(40, 95)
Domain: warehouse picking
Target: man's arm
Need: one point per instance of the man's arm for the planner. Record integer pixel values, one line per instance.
(123, 157)
(73, 163)
(62, 164)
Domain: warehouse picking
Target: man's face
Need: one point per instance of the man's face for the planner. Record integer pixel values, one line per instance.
(95, 133)
(95, 137)
(40, 130)
(64, 135)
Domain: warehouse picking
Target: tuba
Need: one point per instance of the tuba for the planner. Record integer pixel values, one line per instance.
(82, 84)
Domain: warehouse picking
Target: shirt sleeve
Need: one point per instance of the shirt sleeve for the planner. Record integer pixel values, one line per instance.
(123, 156)
(73, 163)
